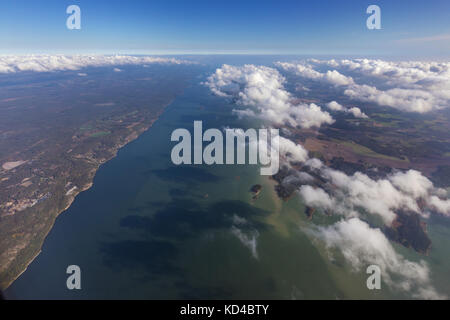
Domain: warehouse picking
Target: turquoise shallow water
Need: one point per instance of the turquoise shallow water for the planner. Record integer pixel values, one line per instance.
(151, 230)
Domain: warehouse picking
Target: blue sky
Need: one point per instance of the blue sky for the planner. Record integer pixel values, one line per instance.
(409, 28)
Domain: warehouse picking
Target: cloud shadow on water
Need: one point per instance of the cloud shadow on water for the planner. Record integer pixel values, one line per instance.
(153, 255)
(165, 231)
(185, 174)
(183, 218)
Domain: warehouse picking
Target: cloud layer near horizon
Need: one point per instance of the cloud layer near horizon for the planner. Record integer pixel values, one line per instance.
(408, 86)
(49, 63)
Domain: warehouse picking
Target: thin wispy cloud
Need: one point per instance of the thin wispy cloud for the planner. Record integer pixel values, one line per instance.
(433, 38)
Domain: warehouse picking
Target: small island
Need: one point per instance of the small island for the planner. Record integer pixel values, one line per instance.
(410, 231)
(309, 211)
(256, 190)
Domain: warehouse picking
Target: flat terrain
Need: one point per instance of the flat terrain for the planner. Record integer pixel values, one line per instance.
(387, 139)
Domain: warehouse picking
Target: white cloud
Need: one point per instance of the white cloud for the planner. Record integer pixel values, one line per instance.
(307, 116)
(261, 91)
(412, 182)
(248, 240)
(383, 197)
(314, 163)
(378, 197)
(333, 105)
(316, 197)
(337, 78)
(362, 246)
(261, 88)
(440, 205)
(356, 112)
(287, 149)
(409, 86)
(307, 71)
(49, 63)
(403, 99)
(292, 151)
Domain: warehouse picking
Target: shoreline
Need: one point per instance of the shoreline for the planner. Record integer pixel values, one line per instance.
(47, 233)
(128, 139)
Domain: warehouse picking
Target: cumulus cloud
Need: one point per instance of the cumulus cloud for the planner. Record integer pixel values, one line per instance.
(356, 112)
(262, 89)
(440, 205)
(314, 163)
(378, 197)
(404, 99)
(409, 86)
(316, 197)
(287, 149)
(383, 197)
(49, 63)
(362, 246)
(337, 78)
(333, 105)
(307, 116)
(292, 151)
(412, 182)
(307, 71)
